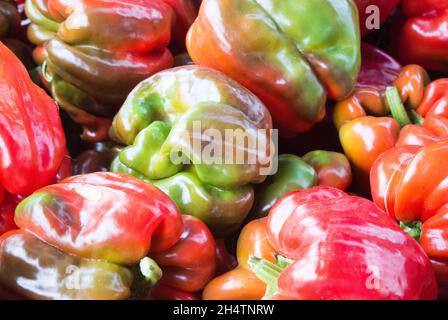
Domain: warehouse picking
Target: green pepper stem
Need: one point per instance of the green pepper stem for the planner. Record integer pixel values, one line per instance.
(146, 276)
(269, 272)
(150, 270)
(416, 118)
(396, 107)
(47, 77)
(414, 229)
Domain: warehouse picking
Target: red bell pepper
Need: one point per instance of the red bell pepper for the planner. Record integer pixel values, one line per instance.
(336, 246)
(385, 9)
(31, 134)
(409, 183)
(423, 37)
(190, 263)
(107, 216)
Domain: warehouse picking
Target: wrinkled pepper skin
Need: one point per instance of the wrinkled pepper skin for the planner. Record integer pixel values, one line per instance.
(109, 216)
(423, 38)
(160, 117)
(91, 67)
(27, 262)
(293, 174)
(385, 7)
(332, 168)
(31, 133)
(291, 54)
(408, 182)
(241, 283)
(378, 267)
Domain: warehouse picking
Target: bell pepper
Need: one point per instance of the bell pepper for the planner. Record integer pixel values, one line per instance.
(332, 168)
(366, 129)
(293, 174)
(423, 36)
(31, 134)
(408, 182)
(340, 240)
(100, 224)
(378, 69)
(291, 54)
(91, 67)
(191, 262)
(241, 283)
(382, 7)
(171, 113)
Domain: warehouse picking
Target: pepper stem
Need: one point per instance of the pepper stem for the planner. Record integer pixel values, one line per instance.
(47, 77)
(146, 276)
(416, 118)
(269, 272)
(414, 229)
(150, 270)
(396, 107)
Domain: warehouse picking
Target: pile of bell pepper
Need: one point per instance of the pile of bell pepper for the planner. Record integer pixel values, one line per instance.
(128, 168)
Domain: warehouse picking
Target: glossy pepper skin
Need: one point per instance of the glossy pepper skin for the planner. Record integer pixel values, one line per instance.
(378, 69)
(109, 216)
(190, 264)
(385, 7)
(292, 64)
(26, 258)
(408, 182)
(31, 134)
(293, 174)
(241, 283)
(424, 28)
(332, 168)
(103, 224)
(161, 117)
(91, 67)
(364, 131)
(343, 253)
(369, 121)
